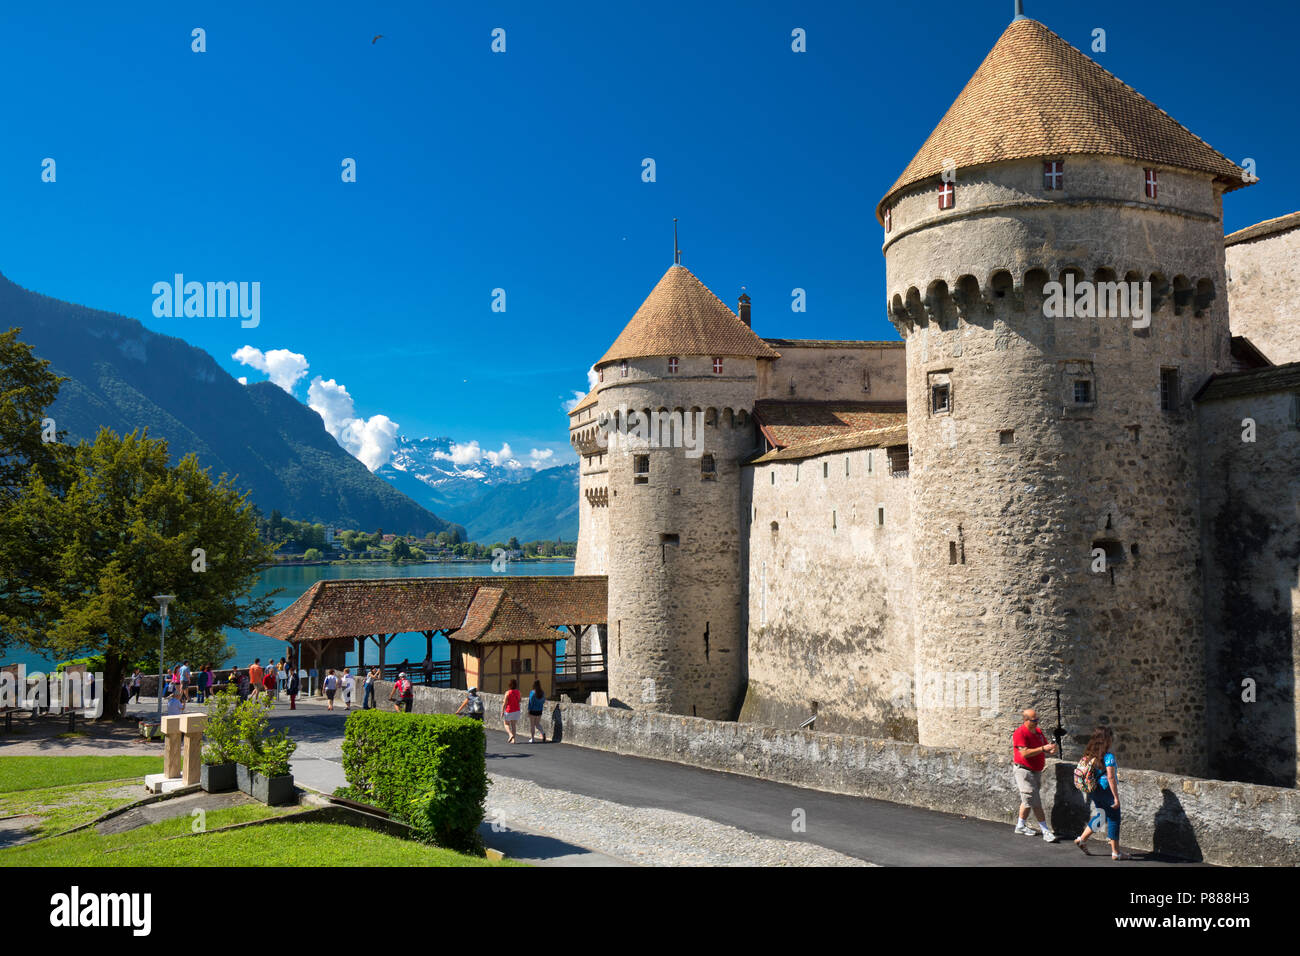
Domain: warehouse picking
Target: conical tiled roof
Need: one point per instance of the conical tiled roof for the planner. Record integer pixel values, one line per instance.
(1035, 95)
(682, 317)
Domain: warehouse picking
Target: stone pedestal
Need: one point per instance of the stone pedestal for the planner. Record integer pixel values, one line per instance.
(171, 728)
(192, 727)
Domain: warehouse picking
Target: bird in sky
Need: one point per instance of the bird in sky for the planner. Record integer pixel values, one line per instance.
(378, 37)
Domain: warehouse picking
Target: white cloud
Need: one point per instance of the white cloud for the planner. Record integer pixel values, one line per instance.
(540, 458)
(592, 379)
(372, 440)
(281, 366)
(503, 458)
(466, 454)
(242, 380)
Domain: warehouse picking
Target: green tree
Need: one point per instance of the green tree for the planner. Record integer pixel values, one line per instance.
(312, 554)
(401, 550)
(513, 544)
(125, 529)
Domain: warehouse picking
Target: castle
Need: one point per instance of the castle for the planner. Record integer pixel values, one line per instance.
(914, 539)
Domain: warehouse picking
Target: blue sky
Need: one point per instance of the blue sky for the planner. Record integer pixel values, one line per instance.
(522, 170)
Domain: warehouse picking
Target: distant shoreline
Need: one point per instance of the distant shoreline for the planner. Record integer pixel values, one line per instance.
(350, 562)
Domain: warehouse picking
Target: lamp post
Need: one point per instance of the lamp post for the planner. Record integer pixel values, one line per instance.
(163, 600)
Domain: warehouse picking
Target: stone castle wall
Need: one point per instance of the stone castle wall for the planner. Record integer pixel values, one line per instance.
(676, 639)
(1250, 494)
(830, 595)
(1016, 483)
(592, 556)
(815, 371)
(1263, 289)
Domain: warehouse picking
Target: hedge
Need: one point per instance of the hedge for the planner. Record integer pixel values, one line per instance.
(427, 769)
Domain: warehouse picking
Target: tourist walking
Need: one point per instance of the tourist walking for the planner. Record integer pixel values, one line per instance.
(368, 692)
(185, 681)
(427, 667)
(293, 690)
(510, 709)
(536, 706)
(474, 702)
(1028, 749)
(331, 685)
(1095, 777)
(202, 681)
(347, 688)
(255, 674)
(135, 686)
(269, 681)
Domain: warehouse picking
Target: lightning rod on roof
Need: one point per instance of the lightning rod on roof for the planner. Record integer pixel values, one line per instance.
(677, 253)
(1020, 10)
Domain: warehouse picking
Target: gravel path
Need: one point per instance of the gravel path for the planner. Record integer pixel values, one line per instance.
(644, 835)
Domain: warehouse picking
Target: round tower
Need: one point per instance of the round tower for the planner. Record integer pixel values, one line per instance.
(1055, 509)
(675, 395)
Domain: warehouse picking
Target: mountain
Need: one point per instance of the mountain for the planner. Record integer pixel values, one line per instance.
(543, 507)
(124, 377)
(425, 469)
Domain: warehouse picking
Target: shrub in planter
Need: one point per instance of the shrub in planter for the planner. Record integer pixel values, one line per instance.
(217, 774)
(426, 769)
(272, 781)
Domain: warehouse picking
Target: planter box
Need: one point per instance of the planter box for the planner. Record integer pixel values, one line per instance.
(218, 777)
(273, 791)
(244, 777)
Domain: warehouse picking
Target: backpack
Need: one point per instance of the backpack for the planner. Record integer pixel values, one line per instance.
(403, 687)
(331, 682)
(476, 704)
(1085, 775)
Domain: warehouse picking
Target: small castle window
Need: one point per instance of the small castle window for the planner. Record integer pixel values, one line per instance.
(880, 517)
(1054, 174)
(889, 218)
(773, 474)
(1007, 436)
(940, 399)
(717, 366)
(898, 460)
(672, 365)
(1169, 389)
(846, 466)
(601, 374)
(826, 469)
(708, 470)
(1151, 185)
(775, 527)
(641, 469)
(623, 369)
(868, 463)
(1082, 391)
(952, 552)
(833, 525)
(947, 196)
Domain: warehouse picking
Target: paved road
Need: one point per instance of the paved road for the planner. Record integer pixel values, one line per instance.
(874, 830)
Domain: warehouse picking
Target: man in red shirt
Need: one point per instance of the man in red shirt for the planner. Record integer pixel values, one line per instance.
(1028, 746)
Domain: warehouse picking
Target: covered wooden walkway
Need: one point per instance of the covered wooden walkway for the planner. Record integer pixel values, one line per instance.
(334, 616)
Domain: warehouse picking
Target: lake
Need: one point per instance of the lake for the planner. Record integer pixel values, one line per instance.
(297, 579)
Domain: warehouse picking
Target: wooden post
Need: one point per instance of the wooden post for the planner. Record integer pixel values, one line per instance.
(361, 653)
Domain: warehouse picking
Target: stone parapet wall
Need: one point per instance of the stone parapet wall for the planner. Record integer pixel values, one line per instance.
(1212, 820)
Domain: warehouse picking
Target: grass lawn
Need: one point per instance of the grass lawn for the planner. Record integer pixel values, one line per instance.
(89, 786)
(31, 773)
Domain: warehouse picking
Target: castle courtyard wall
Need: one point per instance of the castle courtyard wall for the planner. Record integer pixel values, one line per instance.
(1263, 289)
(830, 595)
(812, 370)
(1250, 494)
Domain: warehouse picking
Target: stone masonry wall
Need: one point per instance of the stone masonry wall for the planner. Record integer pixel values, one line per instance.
(834, 371)
(1250, 493)
(1212, 820)
(830, 595)
(1263, 288)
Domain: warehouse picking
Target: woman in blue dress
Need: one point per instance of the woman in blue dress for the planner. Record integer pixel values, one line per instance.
(1105, 795)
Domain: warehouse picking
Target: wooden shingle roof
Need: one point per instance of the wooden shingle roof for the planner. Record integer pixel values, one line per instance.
(493, 618)
(358, 607)
(588, 400)
(806, 429)
(682, 317)
(1035, 95)
(1259, 381)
